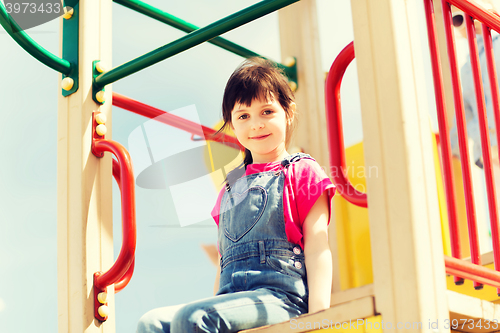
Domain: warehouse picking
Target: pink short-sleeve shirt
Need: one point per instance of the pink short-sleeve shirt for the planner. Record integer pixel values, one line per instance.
(304, 183)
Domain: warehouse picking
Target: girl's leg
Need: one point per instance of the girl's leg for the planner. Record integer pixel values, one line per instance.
(158, 320)
(234, 312)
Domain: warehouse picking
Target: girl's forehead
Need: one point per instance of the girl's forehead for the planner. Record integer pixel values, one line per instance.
(256, 101)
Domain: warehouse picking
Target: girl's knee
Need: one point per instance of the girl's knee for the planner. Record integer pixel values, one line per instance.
(150, 323)
(157, 320)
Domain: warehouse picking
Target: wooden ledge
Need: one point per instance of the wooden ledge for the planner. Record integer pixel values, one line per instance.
(356, 309)
(471, 314)
(351, 294)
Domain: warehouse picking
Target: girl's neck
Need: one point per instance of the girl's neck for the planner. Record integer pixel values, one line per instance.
(273, 156)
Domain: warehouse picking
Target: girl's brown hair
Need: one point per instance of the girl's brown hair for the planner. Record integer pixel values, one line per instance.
(257, 79)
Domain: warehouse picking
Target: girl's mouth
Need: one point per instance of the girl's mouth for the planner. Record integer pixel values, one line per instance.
(260, 137)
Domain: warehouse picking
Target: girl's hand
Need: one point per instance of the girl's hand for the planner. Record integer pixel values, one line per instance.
(318, 257)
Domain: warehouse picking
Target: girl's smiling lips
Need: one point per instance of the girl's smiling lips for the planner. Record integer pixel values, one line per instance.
(260, 137)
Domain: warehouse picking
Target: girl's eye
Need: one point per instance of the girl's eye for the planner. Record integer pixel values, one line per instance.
(268, 111)
(243, 116)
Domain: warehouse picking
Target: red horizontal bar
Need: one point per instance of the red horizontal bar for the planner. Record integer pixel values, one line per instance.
(129, 233)
(478, 12)
(472, 271)
(334, 126)
(148, 111)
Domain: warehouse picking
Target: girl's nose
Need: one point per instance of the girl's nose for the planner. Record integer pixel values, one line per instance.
(257, 125)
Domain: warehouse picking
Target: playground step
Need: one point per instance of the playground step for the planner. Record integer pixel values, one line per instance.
(341, 313)
(470, 314)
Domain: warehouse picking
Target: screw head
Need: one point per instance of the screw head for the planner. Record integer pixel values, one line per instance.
(101, 129)
(103, 310)
(102, 297)
(100, 96)
(100, 118)
(289, 61)
(68, 12)
(67, 83)
(99, 67)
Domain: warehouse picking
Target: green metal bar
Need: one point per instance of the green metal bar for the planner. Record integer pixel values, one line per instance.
(32, 47)
(182, 25)
(190, 40)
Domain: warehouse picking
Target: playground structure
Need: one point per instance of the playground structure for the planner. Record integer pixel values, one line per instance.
(404, 280)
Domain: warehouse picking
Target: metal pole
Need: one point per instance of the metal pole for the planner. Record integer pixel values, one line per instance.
(192, 39)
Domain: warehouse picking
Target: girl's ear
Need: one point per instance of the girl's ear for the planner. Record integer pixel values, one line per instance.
(293, 107)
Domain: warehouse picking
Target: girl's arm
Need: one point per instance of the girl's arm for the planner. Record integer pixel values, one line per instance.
(318, 257)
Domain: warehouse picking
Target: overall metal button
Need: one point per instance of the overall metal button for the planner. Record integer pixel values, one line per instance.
(298, 265)
(296, 250)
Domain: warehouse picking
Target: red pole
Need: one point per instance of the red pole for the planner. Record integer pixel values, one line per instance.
(334, 127)
(492, 73)
(485, 141)
(460, 117)
(443, 131)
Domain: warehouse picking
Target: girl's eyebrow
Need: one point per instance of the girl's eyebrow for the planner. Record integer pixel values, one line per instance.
(262, 107)
(240, 110)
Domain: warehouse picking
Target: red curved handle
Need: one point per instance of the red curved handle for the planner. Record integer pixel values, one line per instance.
(123, 266)
(125, 279)
(335, 134)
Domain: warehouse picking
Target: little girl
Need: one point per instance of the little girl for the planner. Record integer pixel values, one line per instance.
(272, 219)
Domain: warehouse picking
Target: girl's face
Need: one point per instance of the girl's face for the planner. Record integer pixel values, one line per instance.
(261, 128)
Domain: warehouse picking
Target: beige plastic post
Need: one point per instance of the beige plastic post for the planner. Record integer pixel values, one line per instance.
(299, 38)
(84, 216)
(408, 265)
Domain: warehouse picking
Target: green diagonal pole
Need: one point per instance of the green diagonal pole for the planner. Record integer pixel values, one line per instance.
(182, 25)
(190, 40)
(32, 47)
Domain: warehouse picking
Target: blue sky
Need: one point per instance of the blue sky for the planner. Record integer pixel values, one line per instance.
(171, 267)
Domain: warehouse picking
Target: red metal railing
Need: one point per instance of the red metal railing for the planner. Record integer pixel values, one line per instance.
(459, 268)
(334, 126)
(145, 110)
(454, 265)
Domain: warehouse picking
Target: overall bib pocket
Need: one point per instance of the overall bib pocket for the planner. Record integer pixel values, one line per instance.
(246, 208)
(287, 265)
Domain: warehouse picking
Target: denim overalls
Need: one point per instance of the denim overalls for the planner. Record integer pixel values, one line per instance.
(263, 277)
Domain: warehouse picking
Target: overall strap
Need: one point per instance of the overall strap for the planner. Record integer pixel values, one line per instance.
(294, 158)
